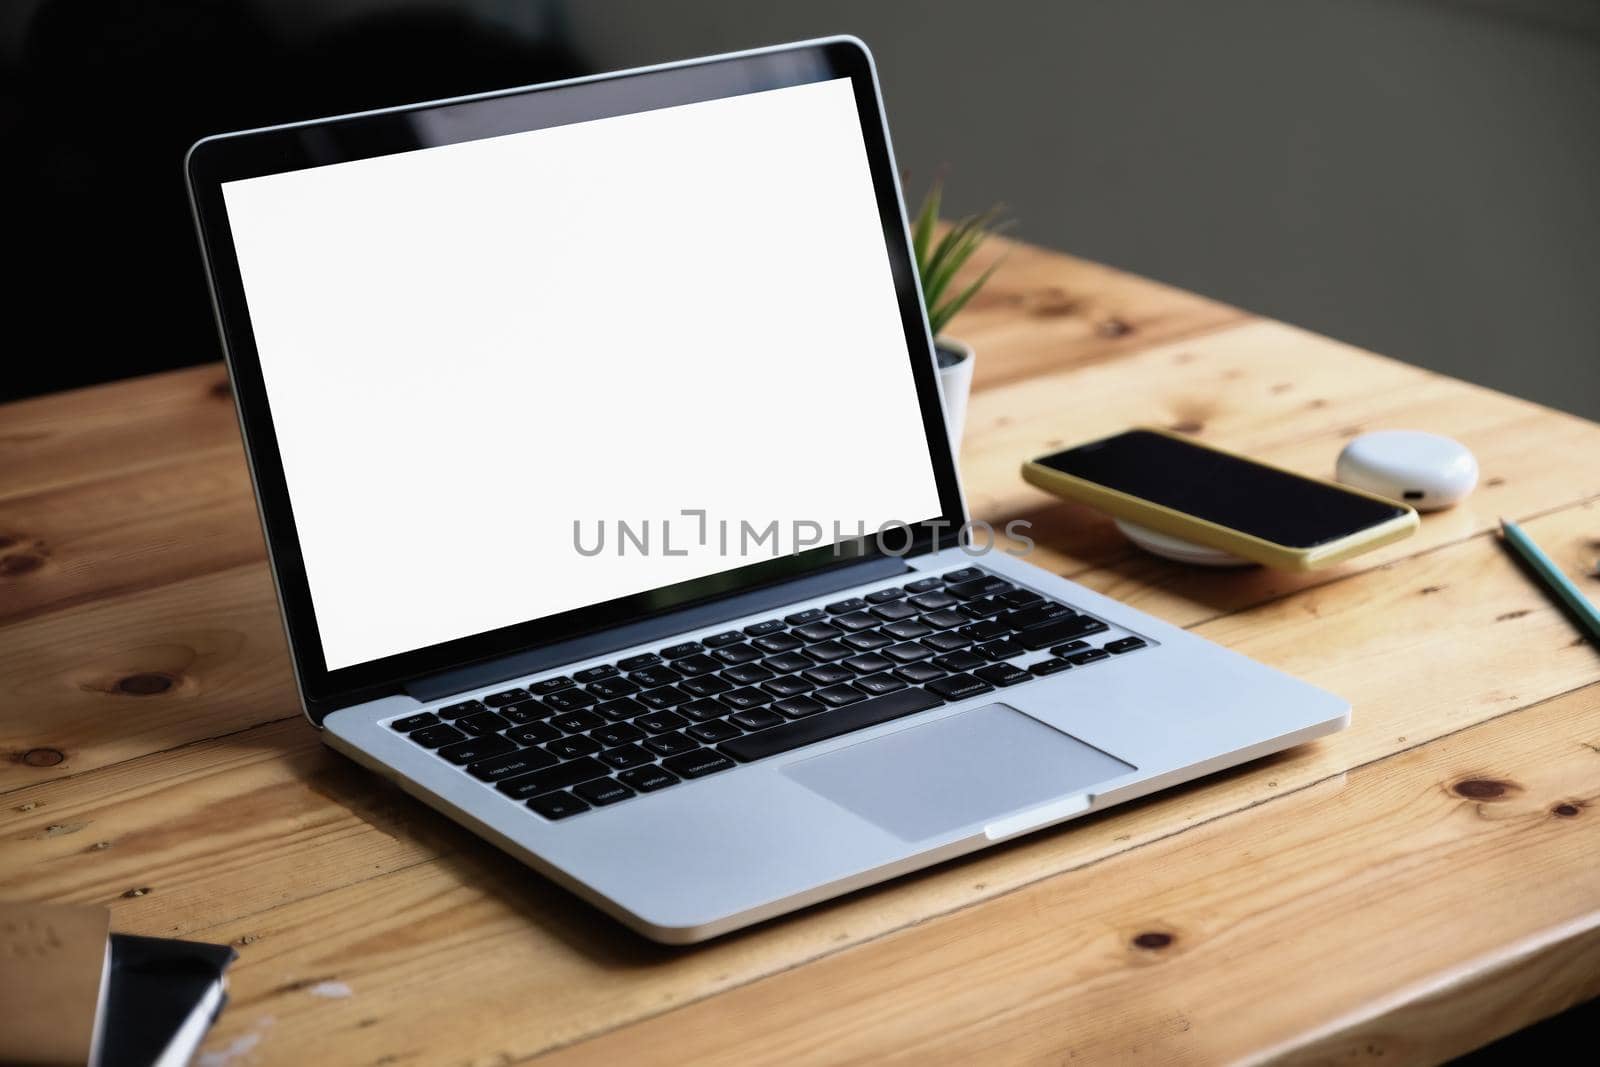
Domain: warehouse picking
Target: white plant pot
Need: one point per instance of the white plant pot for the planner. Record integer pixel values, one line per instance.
(955, 382)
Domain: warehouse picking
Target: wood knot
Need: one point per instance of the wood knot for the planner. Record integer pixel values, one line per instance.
(1495, 483)
(1187, 426)
(1566, 811)
(43, 757)
(7, 541)
(1113, 327)
(145, 684)
(222, 390)
(139, 892)
(20, 563)
(1153, 940)
(1483, 788)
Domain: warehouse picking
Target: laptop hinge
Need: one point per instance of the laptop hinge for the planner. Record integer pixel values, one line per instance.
(520, 664)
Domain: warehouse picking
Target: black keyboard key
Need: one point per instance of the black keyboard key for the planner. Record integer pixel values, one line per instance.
(883, 596)
(839, 695)
(561, 776)
(987, 585)
(594, 674)
(1061, 630)
(777, 643)
(660, 674)
(960, 686)
(938, 598)
(828, 651)
(546, 686)
(986, 631)
(570, 700)
(665, 697)
(618, 710)
(787, 686)
(671, 744)
(703, 710)
(523, 711)
(659, 722)
(856, 621)
(1069, 648)
(557, 805)
(755, 718)
(748, 697)
(736, 654)
(634, 663)
(624, 756)
(612, 688)
(757, 629)
(963, 574)
(648, 779)
(474, 749)
(1053, 665)
(415, 722)
(999, 650)
(840, 607)
(800, 618)
(726, 637)
(534, 733)
(480, 723)
(982, 608)
(511, 764)
(683, 648)
(698, 764)
(922, 585)
(510, 696)
(956, 662)
(697, 664)
(908, 629)
(576, 722)
(1002, 674)
(434, 736)
(707, 685)
(1124, 644)
(944, 620)
(816, 631)
(868, 640)
(573, 747)
(1020, 598)
(617, 733)
(868, 663)
(894, 611)
(813, 728)
(1036, 615)
(1088, 655)
(787, 662)
(747, 673)
(466, 707)
(603, 791)
(798, 707)
(879, 684)
(947, 641)
(918, 673)
(828, 674)
(909, 652)
(713, 731)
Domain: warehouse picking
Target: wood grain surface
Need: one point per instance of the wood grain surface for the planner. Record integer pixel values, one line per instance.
(1415, 886)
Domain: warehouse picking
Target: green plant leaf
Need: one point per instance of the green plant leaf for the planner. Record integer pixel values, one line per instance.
(960, 243)
(927, 219)
(937, 320)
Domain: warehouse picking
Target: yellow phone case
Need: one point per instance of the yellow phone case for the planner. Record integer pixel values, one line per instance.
(1204, 532)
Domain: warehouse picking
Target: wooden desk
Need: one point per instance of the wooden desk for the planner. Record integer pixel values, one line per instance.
(1417, 885)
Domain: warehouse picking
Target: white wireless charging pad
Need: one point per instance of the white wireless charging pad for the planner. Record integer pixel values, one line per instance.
(1175, 548)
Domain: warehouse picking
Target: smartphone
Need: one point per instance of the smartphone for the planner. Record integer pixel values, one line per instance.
(1202, 494)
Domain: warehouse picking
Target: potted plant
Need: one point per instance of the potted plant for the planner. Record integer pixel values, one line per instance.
(938, 261)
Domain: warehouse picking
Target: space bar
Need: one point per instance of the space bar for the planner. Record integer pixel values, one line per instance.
(810, 730)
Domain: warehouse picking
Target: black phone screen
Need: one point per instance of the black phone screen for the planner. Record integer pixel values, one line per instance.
(1283, 508)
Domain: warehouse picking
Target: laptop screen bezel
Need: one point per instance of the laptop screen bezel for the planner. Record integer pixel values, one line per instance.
(231, 157)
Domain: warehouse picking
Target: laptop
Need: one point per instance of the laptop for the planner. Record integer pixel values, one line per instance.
(596, 433)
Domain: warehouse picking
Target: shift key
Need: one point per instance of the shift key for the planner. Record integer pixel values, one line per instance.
(567, 774)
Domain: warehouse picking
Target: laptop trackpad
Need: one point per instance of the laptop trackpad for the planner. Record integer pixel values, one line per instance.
(966, 769)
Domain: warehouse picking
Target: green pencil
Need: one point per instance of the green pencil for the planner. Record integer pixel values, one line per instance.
(1557, 583)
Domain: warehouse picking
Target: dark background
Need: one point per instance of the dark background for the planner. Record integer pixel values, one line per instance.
(1415, 176)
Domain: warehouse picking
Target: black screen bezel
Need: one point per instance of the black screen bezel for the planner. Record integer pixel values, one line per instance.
(230, 157)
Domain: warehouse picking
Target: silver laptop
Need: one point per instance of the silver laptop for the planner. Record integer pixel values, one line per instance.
(597, 439)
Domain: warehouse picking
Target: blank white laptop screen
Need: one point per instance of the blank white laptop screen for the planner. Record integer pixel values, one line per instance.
(468, 349)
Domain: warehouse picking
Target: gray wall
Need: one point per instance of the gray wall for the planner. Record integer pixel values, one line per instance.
(1416, 177)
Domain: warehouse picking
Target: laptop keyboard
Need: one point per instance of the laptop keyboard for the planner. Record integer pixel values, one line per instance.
(647, 722)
